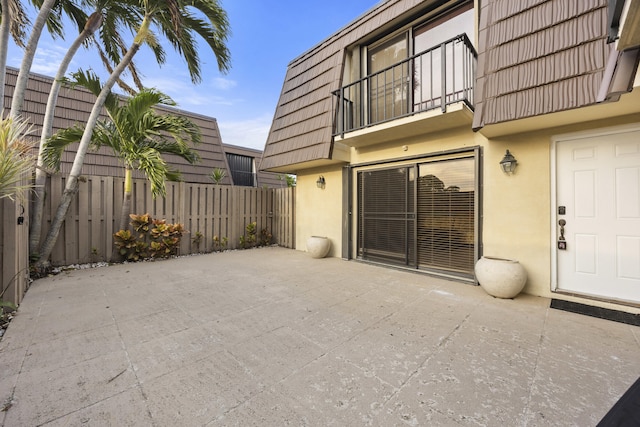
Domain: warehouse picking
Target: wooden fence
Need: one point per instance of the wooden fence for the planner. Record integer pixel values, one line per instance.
(211, 210)
(86, 235)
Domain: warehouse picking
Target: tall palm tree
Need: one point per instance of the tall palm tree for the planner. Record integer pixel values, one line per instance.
(177, 21)
(137, 135)
(110, 17)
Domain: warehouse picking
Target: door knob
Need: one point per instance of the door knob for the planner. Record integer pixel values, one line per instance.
(562, 223)
(562, 244)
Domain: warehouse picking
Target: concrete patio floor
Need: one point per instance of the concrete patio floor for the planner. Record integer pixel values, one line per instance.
(272, 337)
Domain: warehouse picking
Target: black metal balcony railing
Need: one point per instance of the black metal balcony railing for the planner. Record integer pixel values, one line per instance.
(435, 78)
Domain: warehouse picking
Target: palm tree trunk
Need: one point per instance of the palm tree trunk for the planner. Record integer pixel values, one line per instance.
(29, 53)
(72, 183)
(4, 45)
(123, 224)
(92, 24)
(126, 202)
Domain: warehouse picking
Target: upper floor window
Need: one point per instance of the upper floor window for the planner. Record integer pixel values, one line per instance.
(440, 30)
(388, 94)
(242, 168)
(433, 76)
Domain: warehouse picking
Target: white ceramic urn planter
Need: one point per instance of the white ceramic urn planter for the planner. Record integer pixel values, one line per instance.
(499, 277)
(318, 247)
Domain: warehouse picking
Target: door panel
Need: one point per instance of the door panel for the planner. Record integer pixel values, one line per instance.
(598, 181)
(628, 194)
(446, 215)
(386, 215)
(628, 266)
(586, 253)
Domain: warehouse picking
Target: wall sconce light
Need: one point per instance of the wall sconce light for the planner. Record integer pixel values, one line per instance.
(508, 163)
(320, 182)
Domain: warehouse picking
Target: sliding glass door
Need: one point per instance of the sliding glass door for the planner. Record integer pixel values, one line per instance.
(421, 215)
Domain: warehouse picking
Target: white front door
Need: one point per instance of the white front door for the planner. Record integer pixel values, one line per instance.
(598, 197)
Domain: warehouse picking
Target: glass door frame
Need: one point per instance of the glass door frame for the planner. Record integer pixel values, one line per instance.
(351, 202)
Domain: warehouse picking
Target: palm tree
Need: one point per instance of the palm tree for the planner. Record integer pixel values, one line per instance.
(137, 135)
(175, 19)
(110, 16)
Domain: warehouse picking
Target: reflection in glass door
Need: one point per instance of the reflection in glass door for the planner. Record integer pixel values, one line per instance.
(429, 71)
(388, 83)
(446, 215)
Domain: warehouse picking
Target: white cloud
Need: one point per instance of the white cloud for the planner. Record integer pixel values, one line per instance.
(224, 84)
(47, 59)
(189, 97)
(251, 133)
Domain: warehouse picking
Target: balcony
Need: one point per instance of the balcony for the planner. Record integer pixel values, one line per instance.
(433, 79)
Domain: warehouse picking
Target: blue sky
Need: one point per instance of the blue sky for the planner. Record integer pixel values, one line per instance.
(266, 36)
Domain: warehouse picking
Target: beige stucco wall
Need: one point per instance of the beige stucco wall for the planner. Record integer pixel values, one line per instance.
(516, 208)
(319, 211)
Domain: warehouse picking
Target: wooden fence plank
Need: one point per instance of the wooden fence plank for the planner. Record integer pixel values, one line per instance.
(95, 216)
(117, 199)
(70, 243)
(10, 266)
(202, 219)
(107, 219)
(237, 216)
(82, 223)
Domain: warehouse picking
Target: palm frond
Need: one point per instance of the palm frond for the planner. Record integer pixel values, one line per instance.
(118, 17)
(183, 42)
(56, 144)
(179, 24)
(19, 22)
(216, 33)
(155, 168)
(75, 13)
(90, 80)
(16, 161)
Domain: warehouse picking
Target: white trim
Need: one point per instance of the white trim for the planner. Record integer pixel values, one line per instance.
(553, 216)
(555, 139)
(596, 132)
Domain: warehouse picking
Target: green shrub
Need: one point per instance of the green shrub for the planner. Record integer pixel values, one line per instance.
(249, 239)
(154, 239)
(266, 237)
(220, 244)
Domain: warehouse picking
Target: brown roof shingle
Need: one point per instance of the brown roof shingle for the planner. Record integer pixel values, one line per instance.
(538, 57)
